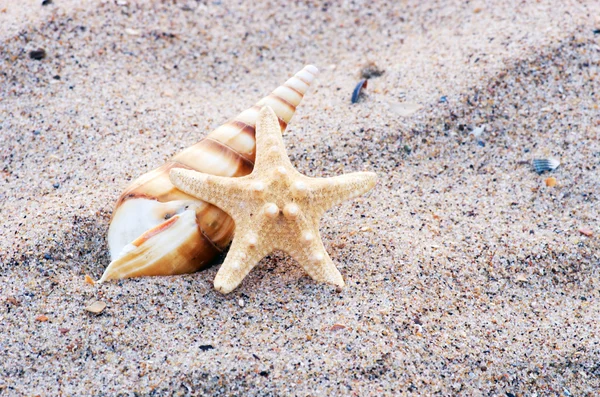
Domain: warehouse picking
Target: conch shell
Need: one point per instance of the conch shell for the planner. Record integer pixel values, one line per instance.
(158, 230)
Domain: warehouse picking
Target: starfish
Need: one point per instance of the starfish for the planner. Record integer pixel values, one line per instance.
(274, 208)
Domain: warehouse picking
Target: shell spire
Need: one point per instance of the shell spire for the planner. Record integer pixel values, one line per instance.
(157, 229)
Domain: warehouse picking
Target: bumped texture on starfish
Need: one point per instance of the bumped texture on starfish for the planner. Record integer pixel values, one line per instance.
(274, 208)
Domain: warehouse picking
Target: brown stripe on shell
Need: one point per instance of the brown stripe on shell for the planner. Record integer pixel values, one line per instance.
(154, 231)
(242, 126)
(241, 142)
(282, 108)
(224, 161)
(284, 101)
(289, 87)
(282, 124)
(296, 76)
(248, 116)
(156, 185)
(132, 195)
(228, 147)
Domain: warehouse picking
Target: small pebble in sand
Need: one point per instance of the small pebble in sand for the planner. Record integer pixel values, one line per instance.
(132, 32)
(336, 327)
(550, 182)
(63, 331)
(521, 278)
(38, 54)
(241, 302)
(96, 307)
(371, 70)
(42, 318)
(13, 301)
(46, 2)
(89, 280)
(586, 231)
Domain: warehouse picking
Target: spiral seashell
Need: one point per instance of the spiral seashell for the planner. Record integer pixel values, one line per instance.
(158, 230)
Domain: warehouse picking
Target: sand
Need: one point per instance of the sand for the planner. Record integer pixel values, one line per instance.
(465, 273)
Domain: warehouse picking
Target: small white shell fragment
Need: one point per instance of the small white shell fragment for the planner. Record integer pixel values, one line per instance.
(541, 165)
(521, 278)
(96, 307)
(132, 32)
(477, 131)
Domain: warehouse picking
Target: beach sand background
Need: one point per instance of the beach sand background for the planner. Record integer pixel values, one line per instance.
(465, 273)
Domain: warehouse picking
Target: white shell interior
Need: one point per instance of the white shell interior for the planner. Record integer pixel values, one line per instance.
(136, 216)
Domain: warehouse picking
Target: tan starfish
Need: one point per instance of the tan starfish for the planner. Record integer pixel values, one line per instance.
(274, 208)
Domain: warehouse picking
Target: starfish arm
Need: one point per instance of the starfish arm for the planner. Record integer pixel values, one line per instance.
(270, 150)
(316, 262)
(225, 193)
(244, 254)
(328, 192)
